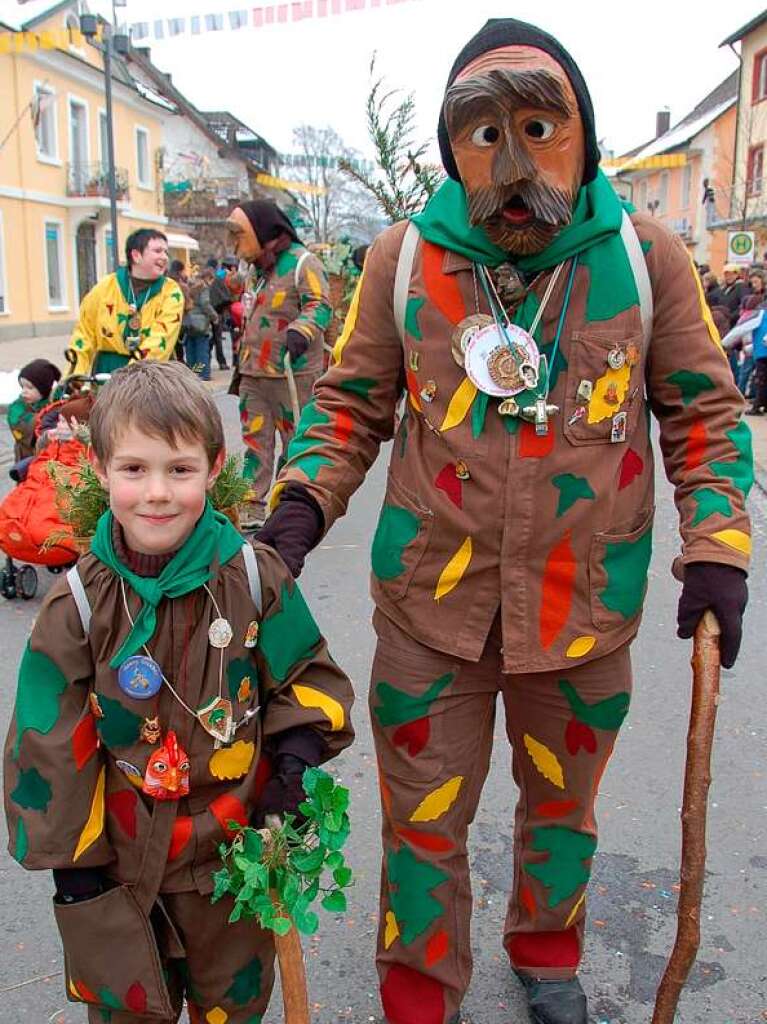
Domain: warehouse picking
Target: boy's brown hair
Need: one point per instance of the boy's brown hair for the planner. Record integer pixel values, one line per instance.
(164, 400)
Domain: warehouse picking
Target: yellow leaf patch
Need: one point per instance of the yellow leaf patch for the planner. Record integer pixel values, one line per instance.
(278, 300)
(734, 539)
(574, 912)
(439, 801)
(580, 646)
(349, 324)
(308, 697)
(598, 408)
(94, 826)
(232, 762)
(314, 284)
(459, 405)
(545, 761)
(453, 572)
(391, 931)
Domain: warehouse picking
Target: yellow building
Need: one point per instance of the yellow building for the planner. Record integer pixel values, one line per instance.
(54, 209)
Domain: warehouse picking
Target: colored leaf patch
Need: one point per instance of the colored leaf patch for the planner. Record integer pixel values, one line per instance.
(580, 647)
(32, 791)
(397, 707)
(690, 384)
(361, 386)
(135, 998)
(431, 841)
(459, 405)
(557, 591)
(226, 808)
(247, 983)
(696, 446)
(122, 806)
(545, 760)
(290, 635)
(626, 564)
(736, 539)
(442, 289)
(439, 801)
(310, 697)
(454, 571)
(605, 714)
(564, 871)
(741, 470)
(578, 735)
(556, 808)
(397, 527)
(413, 735)
(84, 741)
(232, 762)
(413, 308)
(571, 489)
(437, 947)
(21, 846)
(182, 833)
(94, 826)
(119, 727)
(632, 466)
(447, 481)
(391, 930)
(710, 503)
(239, 671)
(405, 992)
(41, 683)
(411, 882)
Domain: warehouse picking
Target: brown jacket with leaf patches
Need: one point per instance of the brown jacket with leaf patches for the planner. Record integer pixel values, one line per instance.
(73, 779)
(555, 531)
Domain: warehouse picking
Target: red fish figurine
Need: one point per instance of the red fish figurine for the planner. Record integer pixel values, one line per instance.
(167, 771)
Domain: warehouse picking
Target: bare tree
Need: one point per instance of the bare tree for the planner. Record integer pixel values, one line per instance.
(342, 207)
(404, 183)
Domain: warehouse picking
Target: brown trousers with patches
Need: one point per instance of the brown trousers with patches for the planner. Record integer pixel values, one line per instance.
(432, 769)
(265, 409)
(207, 978)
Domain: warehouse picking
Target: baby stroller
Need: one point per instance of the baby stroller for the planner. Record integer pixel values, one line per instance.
(31, 528)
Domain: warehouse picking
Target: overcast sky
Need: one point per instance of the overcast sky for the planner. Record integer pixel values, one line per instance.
(636, 58)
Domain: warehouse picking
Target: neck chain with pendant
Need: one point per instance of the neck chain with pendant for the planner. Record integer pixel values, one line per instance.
(141, 677)
(133, 337)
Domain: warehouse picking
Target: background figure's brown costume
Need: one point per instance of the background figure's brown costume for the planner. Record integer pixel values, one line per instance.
(292, 297)
(78, 748)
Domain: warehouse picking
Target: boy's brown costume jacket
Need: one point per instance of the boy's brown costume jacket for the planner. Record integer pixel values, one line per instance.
(482, 514)
(73, 779)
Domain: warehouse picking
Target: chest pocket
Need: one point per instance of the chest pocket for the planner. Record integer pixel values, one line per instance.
(608, 366)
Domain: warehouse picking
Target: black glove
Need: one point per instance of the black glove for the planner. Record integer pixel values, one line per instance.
(723, 589)
(283, 792)
(73, 885)
(294, 527)
(297, 344)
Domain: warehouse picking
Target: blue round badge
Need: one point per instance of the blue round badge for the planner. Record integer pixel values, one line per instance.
(139, 677)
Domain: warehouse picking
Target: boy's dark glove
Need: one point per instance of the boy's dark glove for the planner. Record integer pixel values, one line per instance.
(73, 885)
(283, 792)
(294, 527)
(723, 589)
(297, 344)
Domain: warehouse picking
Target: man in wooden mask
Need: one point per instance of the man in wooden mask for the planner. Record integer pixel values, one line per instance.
(535, 323)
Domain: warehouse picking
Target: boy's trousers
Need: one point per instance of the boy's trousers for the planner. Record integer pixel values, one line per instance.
(227, 974)
(433, 717)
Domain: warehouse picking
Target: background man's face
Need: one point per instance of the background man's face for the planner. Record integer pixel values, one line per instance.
(152, 262)
(517, 137)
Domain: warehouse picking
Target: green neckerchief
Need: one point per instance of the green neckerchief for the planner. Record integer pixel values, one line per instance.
(445, 221)
(213, 538)
(128, 293)
(20, 412)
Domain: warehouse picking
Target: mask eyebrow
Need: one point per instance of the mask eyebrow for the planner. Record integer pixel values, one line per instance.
(473, 97)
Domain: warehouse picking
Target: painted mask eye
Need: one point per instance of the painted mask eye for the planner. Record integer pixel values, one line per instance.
(537, 128)
(184, 767)
(485, 135)
(160, 767)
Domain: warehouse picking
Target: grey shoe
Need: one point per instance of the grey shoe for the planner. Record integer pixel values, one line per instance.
(554, 1002)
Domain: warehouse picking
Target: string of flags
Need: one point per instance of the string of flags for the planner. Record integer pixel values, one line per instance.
(263, 16)
(329, 162)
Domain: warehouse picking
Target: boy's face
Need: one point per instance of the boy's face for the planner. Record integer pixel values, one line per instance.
(157, 492)
(29, 392)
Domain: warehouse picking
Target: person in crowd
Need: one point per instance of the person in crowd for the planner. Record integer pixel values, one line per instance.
(733, 291)
(755, 288)
(535, 322)
(221, 300)
(119, 705)
(198, 324)
(288, 311)
(134, 313)
(712, 288)
(36, 381)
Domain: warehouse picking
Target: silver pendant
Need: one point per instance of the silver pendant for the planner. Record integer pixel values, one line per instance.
(220, 633)
(539, 414)
(495, 360)
(616, 358)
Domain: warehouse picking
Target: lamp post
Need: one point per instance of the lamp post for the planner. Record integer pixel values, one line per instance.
(89, 26)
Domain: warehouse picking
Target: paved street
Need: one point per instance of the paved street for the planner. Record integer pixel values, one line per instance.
(632, 905)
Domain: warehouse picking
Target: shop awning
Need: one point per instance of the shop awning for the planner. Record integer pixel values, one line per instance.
(182, 241)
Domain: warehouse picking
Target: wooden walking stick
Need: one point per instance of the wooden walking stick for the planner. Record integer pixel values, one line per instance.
(290, 958)
(700, 738)
(292, 391)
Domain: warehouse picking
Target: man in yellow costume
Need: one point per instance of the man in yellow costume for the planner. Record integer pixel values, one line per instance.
(134, 313)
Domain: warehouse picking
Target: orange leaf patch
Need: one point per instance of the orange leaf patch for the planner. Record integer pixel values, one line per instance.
(557, 591)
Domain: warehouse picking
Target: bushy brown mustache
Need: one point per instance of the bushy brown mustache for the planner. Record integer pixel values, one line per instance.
(550, 206)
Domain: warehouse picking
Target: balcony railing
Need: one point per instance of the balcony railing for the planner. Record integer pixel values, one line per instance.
(93, 180)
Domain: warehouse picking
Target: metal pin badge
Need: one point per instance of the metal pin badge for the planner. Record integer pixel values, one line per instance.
(220, 633)
(585, 391)
(462, 470)
(616, 358)
(429, 391)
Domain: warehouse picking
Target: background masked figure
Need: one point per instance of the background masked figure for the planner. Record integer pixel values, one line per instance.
(534, 323)
(287, 312)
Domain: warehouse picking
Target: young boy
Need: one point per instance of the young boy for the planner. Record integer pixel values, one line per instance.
(150, 684)
(36, 381)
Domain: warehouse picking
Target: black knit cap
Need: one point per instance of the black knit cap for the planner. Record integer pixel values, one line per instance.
(500, 32)
(42, 374)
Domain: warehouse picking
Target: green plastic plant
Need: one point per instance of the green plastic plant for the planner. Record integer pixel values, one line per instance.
(276, 874)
